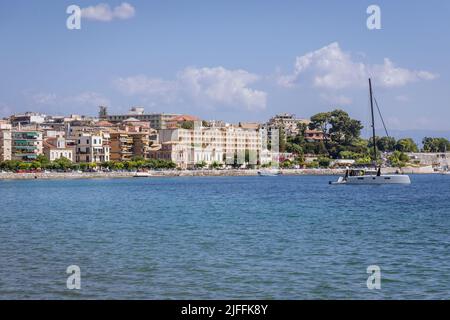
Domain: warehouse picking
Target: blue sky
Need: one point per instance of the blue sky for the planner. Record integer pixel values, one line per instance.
(230, 60)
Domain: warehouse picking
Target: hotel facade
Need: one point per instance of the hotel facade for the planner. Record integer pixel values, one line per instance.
(225, 145)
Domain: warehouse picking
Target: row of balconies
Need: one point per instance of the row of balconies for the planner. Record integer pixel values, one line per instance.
(26, 135)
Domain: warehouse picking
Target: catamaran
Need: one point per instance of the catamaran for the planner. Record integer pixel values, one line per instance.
(355, 176)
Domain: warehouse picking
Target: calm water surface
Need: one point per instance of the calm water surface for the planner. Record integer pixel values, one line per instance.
(224, 238)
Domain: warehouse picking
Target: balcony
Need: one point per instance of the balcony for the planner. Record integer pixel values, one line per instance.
(24, 147)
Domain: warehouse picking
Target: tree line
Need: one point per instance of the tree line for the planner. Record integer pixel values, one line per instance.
(64, 164)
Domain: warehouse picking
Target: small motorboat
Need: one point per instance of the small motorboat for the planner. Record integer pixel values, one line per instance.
(142, 175)
(269, 173)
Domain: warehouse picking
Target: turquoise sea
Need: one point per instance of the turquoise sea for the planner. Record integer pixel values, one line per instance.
(289, 237)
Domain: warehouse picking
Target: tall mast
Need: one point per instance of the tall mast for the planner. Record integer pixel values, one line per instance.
(373, 124)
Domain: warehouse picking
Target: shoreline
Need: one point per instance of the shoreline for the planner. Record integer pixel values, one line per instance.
(185, 173)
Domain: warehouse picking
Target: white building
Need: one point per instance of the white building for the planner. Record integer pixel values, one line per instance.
(56, 148)
(92, 147)
(226, 145)
(27, 118)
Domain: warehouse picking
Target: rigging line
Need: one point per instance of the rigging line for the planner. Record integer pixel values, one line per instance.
(382, 120)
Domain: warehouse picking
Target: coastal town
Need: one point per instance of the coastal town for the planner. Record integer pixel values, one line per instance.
(138, 141)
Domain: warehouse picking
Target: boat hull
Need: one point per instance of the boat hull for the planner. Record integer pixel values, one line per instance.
(376, 180)
(142, 175)
(269, 173)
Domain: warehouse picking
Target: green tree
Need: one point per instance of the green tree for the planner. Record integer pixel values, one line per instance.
(340, 130)
(286, 164)
(43, 160)
(343, 129)
(62, 164)
(435, 144)
(294, 148)
(216, 165)
(36, 165)
(24, 166)
(364, 161)
(406, 145)
(130, 165)
(200, 165)
(384, 144)
(9, 165)
(324, 162)
(350, 155)
(117, 166)
(187, 125)
(320, 121)
(398, 159)
(83, 166)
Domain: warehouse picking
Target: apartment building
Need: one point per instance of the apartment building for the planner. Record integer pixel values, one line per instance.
(5, 141)
(187, 147)
(56, 148)
(121, 145)
(92, 147)
(288, 122)
(133, 139)
(26, 144)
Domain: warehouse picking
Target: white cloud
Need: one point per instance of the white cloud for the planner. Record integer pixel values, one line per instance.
(142, 85)
(332, 68)
(103, 12)
(88, 98)
(44, 98)
(124, 11)
(203, 87)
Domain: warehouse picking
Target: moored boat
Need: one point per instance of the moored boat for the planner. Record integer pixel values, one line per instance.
(363, 177)
(269, 173)
(142, 175)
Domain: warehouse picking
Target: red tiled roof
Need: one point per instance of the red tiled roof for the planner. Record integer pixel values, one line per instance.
(184, 117)
(104, 123)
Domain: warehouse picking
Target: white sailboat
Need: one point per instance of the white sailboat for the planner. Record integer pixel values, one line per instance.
(372, 177)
